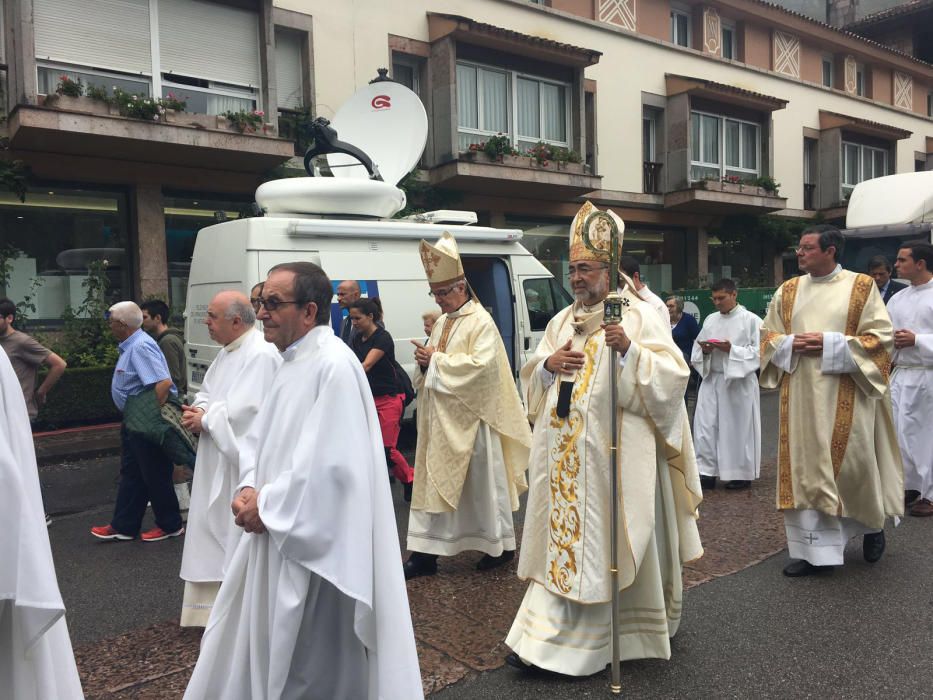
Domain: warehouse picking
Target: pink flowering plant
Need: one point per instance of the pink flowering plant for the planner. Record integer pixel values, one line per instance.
(246, 121)
(68, 87)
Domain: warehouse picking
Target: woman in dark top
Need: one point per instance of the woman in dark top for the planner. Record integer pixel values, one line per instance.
(685, 329)
(376, 350)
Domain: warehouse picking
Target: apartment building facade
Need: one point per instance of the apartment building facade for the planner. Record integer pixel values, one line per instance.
(678, 114)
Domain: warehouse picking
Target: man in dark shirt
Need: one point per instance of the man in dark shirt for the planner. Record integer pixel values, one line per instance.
(171, 341)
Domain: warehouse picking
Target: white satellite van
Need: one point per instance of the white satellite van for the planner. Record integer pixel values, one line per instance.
(343, 224)
(884, 213)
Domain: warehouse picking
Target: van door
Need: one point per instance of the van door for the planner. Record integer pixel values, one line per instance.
(540, 299)
(491, 281)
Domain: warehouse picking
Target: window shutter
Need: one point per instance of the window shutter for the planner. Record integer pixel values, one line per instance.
(288, 69)
(210, 41)
(111, 34)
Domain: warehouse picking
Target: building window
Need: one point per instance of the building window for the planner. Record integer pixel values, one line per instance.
(52, 239)
(49, 74)
(680, 27)
(860, 80)
(525, 108)
(809, 173)
(650, 121)
(289, 71)
(723, 147)
(860, 163)
(930, 104)
(208, 96)
(827, 71)
(728, 41)
(407, 71)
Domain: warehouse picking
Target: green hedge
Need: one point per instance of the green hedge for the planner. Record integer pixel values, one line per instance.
(81, 397)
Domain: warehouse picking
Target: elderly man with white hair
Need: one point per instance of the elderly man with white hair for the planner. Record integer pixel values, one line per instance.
(145, 469)
(222, 413)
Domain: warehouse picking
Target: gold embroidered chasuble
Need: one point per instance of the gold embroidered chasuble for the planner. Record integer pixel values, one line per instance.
(565, 544)
(469, 382)
(837, 449)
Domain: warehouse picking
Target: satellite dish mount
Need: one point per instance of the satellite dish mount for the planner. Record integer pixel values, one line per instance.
(326, 141)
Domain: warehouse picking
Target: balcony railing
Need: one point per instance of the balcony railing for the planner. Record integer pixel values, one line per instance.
(652, 177)
(809, 196)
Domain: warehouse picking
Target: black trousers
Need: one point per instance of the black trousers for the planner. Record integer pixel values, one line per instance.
(145, 477)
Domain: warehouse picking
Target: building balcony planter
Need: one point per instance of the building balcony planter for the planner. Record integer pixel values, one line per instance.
(715, 197)
(82, 105)
(523, 161)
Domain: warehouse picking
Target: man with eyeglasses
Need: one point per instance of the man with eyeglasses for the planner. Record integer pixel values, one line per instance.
(563, 624)
(222, 413)
(827, 342)
(473, 437)
(313, 602)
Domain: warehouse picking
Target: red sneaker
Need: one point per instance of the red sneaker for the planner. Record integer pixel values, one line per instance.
(157, 534)
(106, 532)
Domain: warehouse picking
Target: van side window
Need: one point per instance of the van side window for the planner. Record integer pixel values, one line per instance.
(539, 298)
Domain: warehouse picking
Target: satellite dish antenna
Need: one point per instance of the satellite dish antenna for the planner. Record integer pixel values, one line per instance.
(388, 123)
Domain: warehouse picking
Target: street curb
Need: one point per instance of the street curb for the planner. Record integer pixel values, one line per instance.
(72, 444)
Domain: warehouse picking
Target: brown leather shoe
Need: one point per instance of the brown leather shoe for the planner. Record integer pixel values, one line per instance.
(922, 508)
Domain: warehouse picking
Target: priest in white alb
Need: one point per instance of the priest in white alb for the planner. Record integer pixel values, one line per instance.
(563, 624)
(727, 419)
(473, 437)
(36, 660)
(222, 413)
(826, 343)
(912, 382)
(313, 602)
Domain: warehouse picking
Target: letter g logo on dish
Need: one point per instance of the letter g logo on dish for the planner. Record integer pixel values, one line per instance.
(381, 102)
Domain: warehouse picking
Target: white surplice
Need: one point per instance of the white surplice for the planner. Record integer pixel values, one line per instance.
(36, 659)
(315, 607)
(655, 302)
(727, 421)
(912, 386)
(230, 396)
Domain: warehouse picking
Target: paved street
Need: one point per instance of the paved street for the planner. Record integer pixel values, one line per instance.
(751, 633)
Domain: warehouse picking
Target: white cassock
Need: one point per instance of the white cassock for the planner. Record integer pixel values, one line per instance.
(36, 660)
(727, 422)
(655, 302)
(230, 396)
(912, 386)
(315, 607)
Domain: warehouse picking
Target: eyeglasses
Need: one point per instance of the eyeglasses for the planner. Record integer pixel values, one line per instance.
(806, 248)
(442, 292)
(255, 302)
(584, 270)
(272, 303)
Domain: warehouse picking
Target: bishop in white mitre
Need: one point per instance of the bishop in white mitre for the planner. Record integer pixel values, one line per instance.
(473, 435)
(727, 419)
(313, 602)
(911, 313)
(826, 343)
(36, 659)
(222, 413)
(563, 624)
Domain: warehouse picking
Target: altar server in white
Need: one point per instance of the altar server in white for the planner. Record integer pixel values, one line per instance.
(727, 421)
(313, 602)
(912, 382)
(36, 660)
(222, 413)
(563, 624)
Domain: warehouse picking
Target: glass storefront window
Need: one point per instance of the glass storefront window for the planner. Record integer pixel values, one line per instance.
(185, 215)
(50, 239)
(548, 241)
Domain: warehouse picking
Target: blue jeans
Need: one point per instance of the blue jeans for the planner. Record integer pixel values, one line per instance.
(145, 476)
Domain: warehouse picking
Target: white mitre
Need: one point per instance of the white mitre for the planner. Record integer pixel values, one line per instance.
(442, 260)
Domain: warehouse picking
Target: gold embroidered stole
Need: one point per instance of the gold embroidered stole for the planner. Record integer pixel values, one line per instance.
(445, 333)
(567, 490)
(845, 397)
